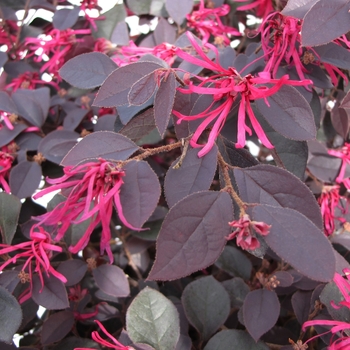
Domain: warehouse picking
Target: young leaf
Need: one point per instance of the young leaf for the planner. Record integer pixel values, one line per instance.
(10, 207)
(179, 9)
(139, 195)
(88, 70)
(10, 316)
(100, 144)
(153, 319)
(193, 175)
(261, 309)
(295, 239)
(206, 304)
(193, 235)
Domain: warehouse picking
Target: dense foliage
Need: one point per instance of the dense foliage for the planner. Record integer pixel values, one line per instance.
(182, 188)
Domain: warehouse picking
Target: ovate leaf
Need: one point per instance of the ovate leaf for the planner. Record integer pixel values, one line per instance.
(192, 235)
(298, 8)
(6, 103)
(65, 18)
(10, 207)
(142, 90)
(179, 9)
(153, 319)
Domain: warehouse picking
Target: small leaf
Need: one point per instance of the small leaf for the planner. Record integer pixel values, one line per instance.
(178, 10)
(57, 326)
(74, 271)
(6, 103)
(10, 316)
(111, 279)
(74, 118)
(7, 135)
(193, 175)
(88, 70)
(334, 54)
(206, 304)
(153, 319)
(193, 235)
(261, 309)
(139, 195)
(143, 89)
(324, 167)
(65, 18)
(10, 207)
(311, 254)
(100, 144)
(25, 178)
(237, 289)
(301, 305)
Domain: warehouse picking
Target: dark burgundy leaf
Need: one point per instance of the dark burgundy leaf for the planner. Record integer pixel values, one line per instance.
(289, 114)
(114, 91)
(25, 178)
(6, 103)
(9, 280)
(140, 192)
(88, 70)
(53, 296)
(193, 235)
(164, 32)
(284, 278)
(163, 103)
(7, 135)
(74, 270)
(179, 9)
(56, 144)
(106, 123)
(345, 103)
(237, 290)
(334, 54)
(120, 34)
(325, 21)
(298, 8)
(74, 118)
(10, 207)
(282, 189)
(127, 112)
(311, 254)
(325, 168)
(261, 309)
(28, 141)
(340, 121)
(57, 326)
(112, 280)
(10, 316)
(65, 18)
(206, 304)
(192, 174)
(301, 305)
(100, 144)
(143, 89)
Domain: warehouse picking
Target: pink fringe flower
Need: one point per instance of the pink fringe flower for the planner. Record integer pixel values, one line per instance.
(93, 188)
(246, 231)
(262, 7)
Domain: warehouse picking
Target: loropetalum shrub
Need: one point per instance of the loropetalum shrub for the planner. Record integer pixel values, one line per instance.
(199, 175)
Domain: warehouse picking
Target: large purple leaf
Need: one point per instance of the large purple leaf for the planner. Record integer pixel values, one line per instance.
(10, 207)
(114, 91)
(6, 103)
(88, 70)
(193, 235)
(65, 18)
(261, 309)
(289, 114)
(164, 102)
(194, 174)
(25, 178)
(179, 9)
(295, 239)
(267, 184)
(143, 89)
(139, 195)
(100, 144)
(325, 21)
(73, 269)
(206, 304)
(298, 8)
(112, 280)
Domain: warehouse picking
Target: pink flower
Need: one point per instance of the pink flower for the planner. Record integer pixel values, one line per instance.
(206, 21)
(6, 160)
(225, 85)
(246, 231)
(37, 252)
(344, 155)
(262, 7)
(92, 189)
(97, 338)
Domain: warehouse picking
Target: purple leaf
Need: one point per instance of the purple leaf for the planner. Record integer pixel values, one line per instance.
(311, 254)
(120, 34)
(179, 9)
(3, 59)
(88, 70)
(106, 123)
(164, 32)
(289, 114)
(7, 135)
(164, 102)
(139, 195)
(340, 121)
(28, 141)
(100, 144)
(65, 18)
(334, 54)
(143, 89)
(74, 270)
(282, 189)
(325, 168)
(284, 278)
(325, 21)
(193, 235)
(24, 179)
(74, 118)
(10, 207)
(56, 327)
(301, 305)
(261, 309)
(114, 91)
(298, 8)
(6, 103)
(111, 279)
(237, 290)
(193, 175)
(206, 304)
(53, 296)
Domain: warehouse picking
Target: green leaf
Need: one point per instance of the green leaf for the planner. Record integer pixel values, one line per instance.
(140, 7)
(10, 206)
(154, 320)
